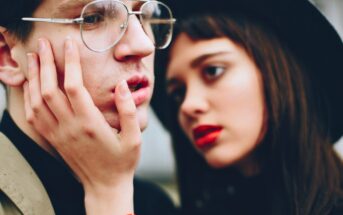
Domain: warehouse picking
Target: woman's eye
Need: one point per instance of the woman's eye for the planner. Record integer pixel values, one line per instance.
(92, 19)
(177, 95)
(212, 72)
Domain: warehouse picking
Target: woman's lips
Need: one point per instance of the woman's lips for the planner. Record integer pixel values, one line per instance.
(206, 135)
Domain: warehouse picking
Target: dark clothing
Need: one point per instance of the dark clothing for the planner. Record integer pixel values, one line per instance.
(65, 192)
(233, 194)
(230, 194)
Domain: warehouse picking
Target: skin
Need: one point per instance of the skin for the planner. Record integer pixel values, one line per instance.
(57, 86)
(217, 83)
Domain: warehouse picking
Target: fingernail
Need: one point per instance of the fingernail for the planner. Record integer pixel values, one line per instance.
(25, 85)
(69, 44)
(41, 45)
(30, 60)
(124, 91)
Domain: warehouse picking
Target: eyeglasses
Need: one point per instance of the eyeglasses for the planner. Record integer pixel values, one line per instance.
(104, 22)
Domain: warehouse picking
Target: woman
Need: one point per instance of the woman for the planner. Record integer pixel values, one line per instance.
(252, 84)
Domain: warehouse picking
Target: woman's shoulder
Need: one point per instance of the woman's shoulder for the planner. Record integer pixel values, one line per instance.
(150, 199)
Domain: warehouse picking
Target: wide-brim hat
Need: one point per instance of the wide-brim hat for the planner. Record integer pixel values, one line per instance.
(307, 33)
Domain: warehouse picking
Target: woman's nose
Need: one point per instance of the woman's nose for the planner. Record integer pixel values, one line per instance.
(194, 103)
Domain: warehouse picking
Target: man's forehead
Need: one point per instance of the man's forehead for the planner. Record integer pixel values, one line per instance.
(68, 4)
(57, 8)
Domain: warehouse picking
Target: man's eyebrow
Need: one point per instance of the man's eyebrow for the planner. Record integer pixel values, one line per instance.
(68, 5)
(197, 61)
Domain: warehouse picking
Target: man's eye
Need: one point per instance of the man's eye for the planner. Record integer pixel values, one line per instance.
(212, 72)
(92, 19)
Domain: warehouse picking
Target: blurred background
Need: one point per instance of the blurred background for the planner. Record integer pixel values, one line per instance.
(157, 163)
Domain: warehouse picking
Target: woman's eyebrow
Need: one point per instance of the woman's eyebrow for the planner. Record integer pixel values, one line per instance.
(197, 61)
(68, 5)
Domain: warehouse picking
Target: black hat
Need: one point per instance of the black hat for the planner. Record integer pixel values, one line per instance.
(304, 29)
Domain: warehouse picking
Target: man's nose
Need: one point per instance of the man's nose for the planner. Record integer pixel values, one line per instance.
(135, 43)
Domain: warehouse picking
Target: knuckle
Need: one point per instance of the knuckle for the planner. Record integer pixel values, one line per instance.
(30, 118)
(37, 105)
(88, 130)
(71, 90)
(48, 94)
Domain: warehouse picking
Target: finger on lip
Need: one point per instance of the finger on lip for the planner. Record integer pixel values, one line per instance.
(135, 82)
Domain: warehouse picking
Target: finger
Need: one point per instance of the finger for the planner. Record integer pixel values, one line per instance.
(36, 108)
(51, 93)
(27, 106)
(78, 96)
(36, 100)
(130, 131)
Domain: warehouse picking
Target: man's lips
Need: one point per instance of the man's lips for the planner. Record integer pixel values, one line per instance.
(139, 87)
(206, 135)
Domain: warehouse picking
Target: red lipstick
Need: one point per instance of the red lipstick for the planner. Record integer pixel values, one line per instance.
(206, 135)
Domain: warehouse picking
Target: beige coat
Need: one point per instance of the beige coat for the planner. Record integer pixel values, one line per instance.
(21, 191)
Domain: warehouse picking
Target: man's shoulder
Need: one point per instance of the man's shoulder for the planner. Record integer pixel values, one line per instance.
(7, 207)
(150, 199)
(19, 182)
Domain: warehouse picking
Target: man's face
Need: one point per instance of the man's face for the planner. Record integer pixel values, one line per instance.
(131, 59)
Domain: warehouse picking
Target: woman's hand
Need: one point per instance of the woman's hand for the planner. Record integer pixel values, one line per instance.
(103, 159)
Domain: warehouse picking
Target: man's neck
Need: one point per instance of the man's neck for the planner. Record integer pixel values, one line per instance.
(16, 109)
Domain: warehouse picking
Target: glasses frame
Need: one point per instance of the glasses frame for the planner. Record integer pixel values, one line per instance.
(80, 21)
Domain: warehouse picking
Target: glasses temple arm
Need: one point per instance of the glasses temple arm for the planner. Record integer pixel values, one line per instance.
(161, 21)
(54, 20)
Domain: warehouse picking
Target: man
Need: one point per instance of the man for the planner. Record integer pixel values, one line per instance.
(69, 67)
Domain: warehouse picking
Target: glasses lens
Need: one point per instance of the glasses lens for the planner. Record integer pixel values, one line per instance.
(104, 23)
(157, 22)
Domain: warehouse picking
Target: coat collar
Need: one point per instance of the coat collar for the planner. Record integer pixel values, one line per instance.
(20, 183)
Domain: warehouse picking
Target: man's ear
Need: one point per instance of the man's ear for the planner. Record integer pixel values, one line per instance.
(10, 73)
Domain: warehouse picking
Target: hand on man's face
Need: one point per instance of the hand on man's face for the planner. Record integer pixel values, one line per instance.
(72, 96)
(98, 154)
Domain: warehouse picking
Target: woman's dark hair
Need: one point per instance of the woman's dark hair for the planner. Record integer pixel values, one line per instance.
(296, 152)
(11, 13)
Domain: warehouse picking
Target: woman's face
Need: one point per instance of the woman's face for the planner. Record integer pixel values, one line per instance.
(221, 103)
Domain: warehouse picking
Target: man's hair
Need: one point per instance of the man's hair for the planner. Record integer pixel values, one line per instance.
(11, 12)
(296, 152)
